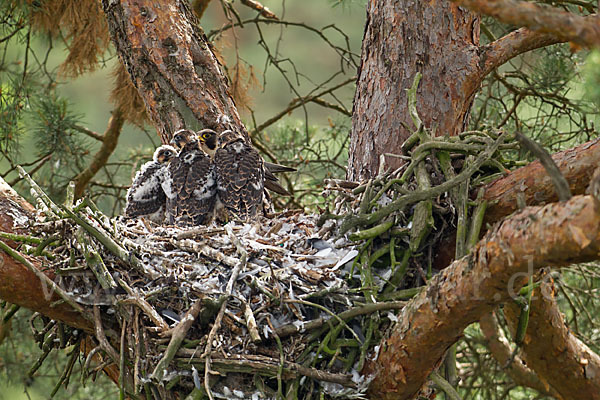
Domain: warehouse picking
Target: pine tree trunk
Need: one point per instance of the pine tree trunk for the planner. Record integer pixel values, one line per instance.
(436, 38)
(172, 65)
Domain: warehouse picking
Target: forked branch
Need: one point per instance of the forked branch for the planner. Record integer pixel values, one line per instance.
(565, 26)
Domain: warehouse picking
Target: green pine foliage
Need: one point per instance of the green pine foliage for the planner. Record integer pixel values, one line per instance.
(14, 84)
(36, 124)
(11, 128)
(51, 127)
(539, 94)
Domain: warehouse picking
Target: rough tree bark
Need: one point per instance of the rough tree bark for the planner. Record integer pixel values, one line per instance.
(565, 26)
(402, 38)
(396, 43)
(577, 165)
(172, 65)
(557, 234)
(559, 358)
(441, 40)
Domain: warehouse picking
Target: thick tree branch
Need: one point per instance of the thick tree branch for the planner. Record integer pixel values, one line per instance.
(172, 65)
(109, 143)
(511, 45)
(577, 164)
(557, 356)
(18, 285)
(533, 183)
(557, 234)
(501, 351)
(566, 26)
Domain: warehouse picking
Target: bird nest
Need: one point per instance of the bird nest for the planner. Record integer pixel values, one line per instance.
(258, 292)
(292, 305)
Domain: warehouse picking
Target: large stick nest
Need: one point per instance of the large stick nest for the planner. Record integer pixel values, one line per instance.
(285, 306)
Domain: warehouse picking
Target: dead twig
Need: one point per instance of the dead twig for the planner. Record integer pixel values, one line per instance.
(264, 11)
(560, 183)
(228, 291)
(176, 338)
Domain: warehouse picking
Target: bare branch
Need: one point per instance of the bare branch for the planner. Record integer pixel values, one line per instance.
(89, 132)
(511, 45)
(109, 143)
(264, 11)
(501, 351)
(299, 102)
(101, 337)
(177, 337)
(326, 104)
(566, 26)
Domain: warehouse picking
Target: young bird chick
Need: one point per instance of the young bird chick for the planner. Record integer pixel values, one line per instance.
(191, 189)
(183, 137)
(239, 173)
(208, 141)
(146, 197)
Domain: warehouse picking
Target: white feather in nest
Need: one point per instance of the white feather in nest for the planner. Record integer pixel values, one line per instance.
(289, 261)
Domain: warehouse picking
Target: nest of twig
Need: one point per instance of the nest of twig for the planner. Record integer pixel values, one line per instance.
(286, 306)
(257, 292)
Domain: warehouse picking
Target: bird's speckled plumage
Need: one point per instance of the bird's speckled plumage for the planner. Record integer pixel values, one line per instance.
(240, 176)
(212, 175)
(146, 197)
(191, 190)
(209, 143)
